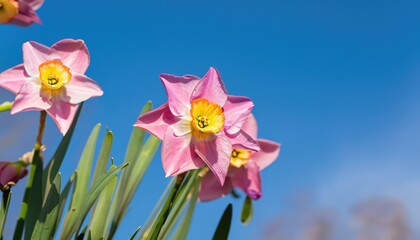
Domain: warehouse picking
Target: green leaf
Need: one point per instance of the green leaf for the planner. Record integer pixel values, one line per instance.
(138, 169)
(103, 157)
(3, 210)
(135, 144)
(47, 221)
(94, 193)
(97, 228)
(184, 226)
(134, 148)
(179, 201)
(51, 170)
(134, 233)
(222, 230)
(35, 195)
(64, 195)
(158, 206)
(81, 186)
(102, 161)
(246, 214)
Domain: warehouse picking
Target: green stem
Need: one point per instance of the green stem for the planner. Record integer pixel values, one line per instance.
(4, 209)
(6, 106)
(164, 212)
(24, 207)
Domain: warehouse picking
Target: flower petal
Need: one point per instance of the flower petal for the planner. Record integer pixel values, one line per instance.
(237, 110)
(13, 78)
(12, 172)
(26, 15)
(63, 114)
(269, 151)
(178, 155)
(248, 179)
(81, 88)
(34, 54)
(211, 87)
(34, 4)
(216, 154)
(74, 54)
(250, 126)
(179, 89)
(30, 97)
(243, 140)
(156, 121)
(182, 127)
(210, 188)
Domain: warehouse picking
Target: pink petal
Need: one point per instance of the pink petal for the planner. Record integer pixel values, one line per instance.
(13, 78)
(178, 156)
(210, 188)
(179, 91)
(74, 54)
(269, 151)
(35, 4)
(248, 179)
(2, 165)
(243, 140)
(211, 87)
(12, 172)
(156, 121)
(34, 54)
(30, 97)
(63, 114)
(81, 88)
(216, 154)
(26, 15)
(182, 127)
(250, 126)
(237, 110)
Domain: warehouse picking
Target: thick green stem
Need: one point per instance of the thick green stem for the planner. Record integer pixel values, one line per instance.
(6, 106)
(24, 207)
(166, 208)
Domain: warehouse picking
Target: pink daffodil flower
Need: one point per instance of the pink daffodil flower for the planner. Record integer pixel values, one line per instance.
(11, 173)
(51, 79)
(244, 170)
(20, 12)
(199, 124)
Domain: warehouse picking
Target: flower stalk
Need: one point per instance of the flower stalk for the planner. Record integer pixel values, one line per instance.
(26, 198)
(4, 209)
(166, 209)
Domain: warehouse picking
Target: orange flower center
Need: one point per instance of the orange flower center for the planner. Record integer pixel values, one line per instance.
(207, 118)
(54, 74)
(239, 157)
(8, 10)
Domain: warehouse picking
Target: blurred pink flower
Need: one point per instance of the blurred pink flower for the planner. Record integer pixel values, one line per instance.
(51, 79)
(20, 12)
(11, 173)
(244, 170)
(199, 124)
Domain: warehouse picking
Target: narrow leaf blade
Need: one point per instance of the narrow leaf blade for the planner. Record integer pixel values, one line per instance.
(246, 214)
(223, 228)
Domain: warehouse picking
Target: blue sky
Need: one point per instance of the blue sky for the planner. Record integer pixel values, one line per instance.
(336, 83)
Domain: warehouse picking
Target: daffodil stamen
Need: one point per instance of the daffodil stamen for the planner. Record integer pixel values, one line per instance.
(239, 157)
(207, 118)
(54, 74)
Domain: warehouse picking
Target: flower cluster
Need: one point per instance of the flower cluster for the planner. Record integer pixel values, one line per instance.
(203, 126)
